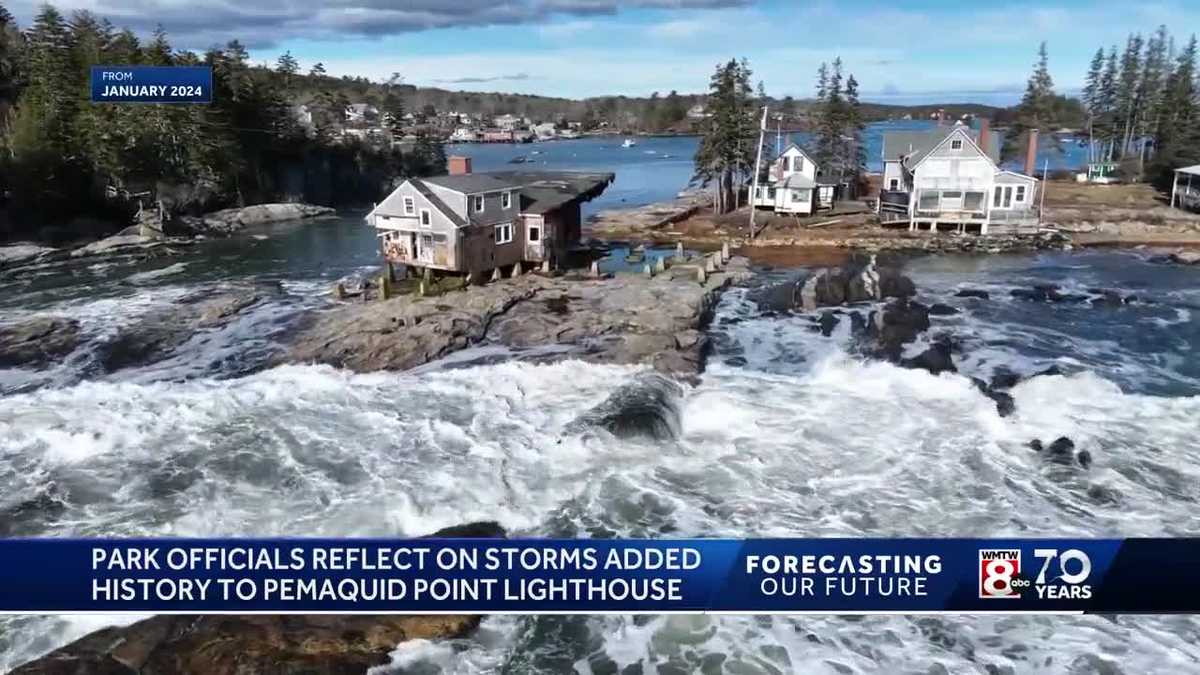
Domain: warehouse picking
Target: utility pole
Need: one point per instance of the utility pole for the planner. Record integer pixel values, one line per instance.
(778, 135)
(762, 130)
(1042, 197)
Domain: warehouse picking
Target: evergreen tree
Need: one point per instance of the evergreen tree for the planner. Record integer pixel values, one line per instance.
(317, 71)
(1128, 103)
(856, 164)
(1178, 140)
(12, 60)
(1037, 107)
(287, 67)
(728, 146)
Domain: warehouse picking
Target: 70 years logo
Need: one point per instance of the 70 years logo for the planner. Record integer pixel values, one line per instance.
(1001, 574)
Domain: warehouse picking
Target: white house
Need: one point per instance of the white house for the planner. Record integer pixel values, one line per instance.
(507, 122)
(792, 185)
(951, 177)
(697, 112)
(359, 112)
(545, 130)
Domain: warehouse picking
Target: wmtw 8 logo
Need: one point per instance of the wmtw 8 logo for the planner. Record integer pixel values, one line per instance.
(1000, 574)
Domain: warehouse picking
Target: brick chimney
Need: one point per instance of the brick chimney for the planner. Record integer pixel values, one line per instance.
(1031, 153)
(459, 165)
(985, 132)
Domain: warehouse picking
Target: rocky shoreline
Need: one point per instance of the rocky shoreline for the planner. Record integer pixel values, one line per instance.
(627, 319)
(188, 231)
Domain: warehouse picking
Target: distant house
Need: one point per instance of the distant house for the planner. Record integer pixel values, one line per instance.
(545, 130)
(950, 177)
(474, 223)
(697, 112)
(464, 135)
(507, 122)
(793, 185)
(361, 112)
(303, 115)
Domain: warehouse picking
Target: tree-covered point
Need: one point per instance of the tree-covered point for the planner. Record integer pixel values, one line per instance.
(1140, 106)
(63, 158)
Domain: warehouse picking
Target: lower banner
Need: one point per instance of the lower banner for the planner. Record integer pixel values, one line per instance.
(759, 576)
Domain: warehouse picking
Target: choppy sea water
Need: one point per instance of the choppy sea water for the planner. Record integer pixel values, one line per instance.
(787, 434)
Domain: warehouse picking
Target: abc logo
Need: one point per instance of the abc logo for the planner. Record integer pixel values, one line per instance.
(1000, 573)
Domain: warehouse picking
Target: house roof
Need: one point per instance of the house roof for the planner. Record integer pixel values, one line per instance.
(437, 202)
(1191, 170)
(471, 183)
(917, 144)
(543, 191)
(798, 181)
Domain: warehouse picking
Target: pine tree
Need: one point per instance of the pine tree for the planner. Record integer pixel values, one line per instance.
(12, 60)
(1150, 90)
(1037, 106)
(317, 71)
(1178, 141)
(287, 67)
(158, 52)
(729, 144)
(856, 164)
(1128, 103)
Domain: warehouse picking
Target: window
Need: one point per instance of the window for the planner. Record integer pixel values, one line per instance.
(927, 200)
(1020, 193)
(478, 203)
(996, 200)
(894, 185)
(952, 199)
(973, 201)
(504, 233)
(409, 207)
(797, 164)
(1003, 198)
(426, 218)
(535, 233)
(956, 144)
(506, 200)
(800, 195)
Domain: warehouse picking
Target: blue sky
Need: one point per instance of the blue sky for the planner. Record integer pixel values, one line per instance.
(909, 52)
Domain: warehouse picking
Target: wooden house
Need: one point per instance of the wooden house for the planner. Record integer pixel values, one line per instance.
(793, 185)
(474, 223)
(950, 177)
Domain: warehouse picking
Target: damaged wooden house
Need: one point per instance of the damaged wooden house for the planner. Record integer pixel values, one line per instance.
(467, 223)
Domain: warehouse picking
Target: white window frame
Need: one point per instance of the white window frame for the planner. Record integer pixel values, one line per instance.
(410, 206)
(478, 202)
(956, 144)
(894, 185)
(503, 233)
(529, 230)
(506, 200)
(1019, 194)
(426, 219)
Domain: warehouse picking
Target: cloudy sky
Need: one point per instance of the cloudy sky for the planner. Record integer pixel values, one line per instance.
(914, 51)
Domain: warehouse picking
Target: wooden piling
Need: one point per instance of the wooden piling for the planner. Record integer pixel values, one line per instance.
(496, 274)
(647, 271)
(660, 265)
(594, 272)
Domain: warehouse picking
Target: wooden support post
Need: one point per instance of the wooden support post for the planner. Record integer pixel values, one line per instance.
(647, 271)
(545, 267)
(385, 284)
(496, 274)
(391, 271)
(724, 252)
(595, 270)
(660, 264)
(516, 270)
(679, 255)
(339, 291)
(701, 274)
(422, 289)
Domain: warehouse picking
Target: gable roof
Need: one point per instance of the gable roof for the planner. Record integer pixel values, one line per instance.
(1190, 170)
(915, 145)
(962, 132)
(794, 146)
(437, 202)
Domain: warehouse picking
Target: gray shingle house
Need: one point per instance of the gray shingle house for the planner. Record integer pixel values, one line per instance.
(474, 223)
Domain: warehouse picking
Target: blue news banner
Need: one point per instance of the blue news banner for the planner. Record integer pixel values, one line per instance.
(592, 576)
(151, 84)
